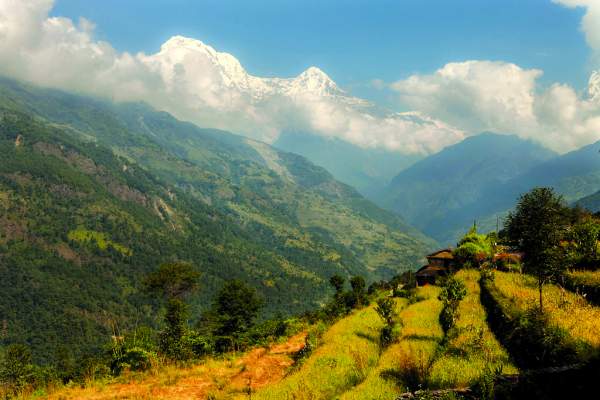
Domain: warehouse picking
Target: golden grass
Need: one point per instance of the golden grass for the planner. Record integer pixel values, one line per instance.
(588, 278)
(348, 350)
(420, 337)
(216, 378)
(471, 346)
(565, 309)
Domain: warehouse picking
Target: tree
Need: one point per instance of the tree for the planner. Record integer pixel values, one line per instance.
(453, 291)
(385, 310)
(358, 295)
(236, 306)
(337, 282)
(16, 369)
(583, 242)
(536, 228)
(174, 281)
(474, 248)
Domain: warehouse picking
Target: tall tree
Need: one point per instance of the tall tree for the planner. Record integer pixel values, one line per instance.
(536, 228)
(174, 281)
(236, 306)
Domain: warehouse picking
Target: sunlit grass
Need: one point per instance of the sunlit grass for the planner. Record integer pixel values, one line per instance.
(588, 278)
(565, 309)
(348, 350)
(407, 361)
(471, 346)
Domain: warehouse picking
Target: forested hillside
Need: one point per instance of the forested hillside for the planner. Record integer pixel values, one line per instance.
(94, 195)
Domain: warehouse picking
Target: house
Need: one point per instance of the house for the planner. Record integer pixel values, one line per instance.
(439, 264)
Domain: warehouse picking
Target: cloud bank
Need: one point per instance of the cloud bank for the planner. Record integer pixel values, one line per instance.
(478, 96)
(195, 82)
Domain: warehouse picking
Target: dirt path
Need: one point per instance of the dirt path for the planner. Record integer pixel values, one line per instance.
(217, 378)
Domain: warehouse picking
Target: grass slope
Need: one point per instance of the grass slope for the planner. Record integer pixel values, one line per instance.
(471, 345)
(567, 311)
(405, 364)
(346, 353)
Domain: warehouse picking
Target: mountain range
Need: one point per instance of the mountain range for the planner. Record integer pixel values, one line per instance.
(480, 179)
(96, 194)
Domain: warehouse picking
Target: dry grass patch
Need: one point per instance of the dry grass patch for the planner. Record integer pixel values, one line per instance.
(213, 379)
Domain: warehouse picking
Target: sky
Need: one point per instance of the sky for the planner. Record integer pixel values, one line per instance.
(354, 41)
(408, 76)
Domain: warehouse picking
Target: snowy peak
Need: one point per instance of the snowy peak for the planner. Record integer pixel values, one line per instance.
(197, 58)
(594, 86)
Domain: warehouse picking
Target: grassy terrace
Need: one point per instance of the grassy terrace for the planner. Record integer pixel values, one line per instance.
(405, 363)
(566, 310)
(586, 283)
(347, 352)
(471, 345)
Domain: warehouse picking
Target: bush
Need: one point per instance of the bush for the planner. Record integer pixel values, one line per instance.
(385, 309)
(453, 291)
(125, 357)
(16, 369)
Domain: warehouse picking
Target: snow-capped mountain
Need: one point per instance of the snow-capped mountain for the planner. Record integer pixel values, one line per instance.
(594, 86)
(212, 88)
(180, 54)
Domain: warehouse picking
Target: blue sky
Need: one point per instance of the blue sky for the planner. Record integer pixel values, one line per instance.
(354, 41)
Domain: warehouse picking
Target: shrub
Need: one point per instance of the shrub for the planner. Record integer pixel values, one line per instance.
(385, 310)
(453, 291)
(16, 369)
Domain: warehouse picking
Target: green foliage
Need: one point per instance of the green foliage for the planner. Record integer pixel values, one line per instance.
(16, 368)
(474, 248)
(582, 247)
(453, 291)
(386, 311)
(485, 387)
(173, 280)
(536, 228)
(172, 341)
(337, 282)
(235, 307)
(129, 355)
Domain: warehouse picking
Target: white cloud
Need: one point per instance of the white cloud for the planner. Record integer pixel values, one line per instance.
(590, 23)
(482, 95)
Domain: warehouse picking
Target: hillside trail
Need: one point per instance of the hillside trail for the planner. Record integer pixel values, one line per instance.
(214, 378)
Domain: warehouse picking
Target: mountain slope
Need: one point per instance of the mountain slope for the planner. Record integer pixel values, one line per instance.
(368, 170)
(463, 182)
(96, 195)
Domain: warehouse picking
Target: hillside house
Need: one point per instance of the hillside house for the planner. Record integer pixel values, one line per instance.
(439, 264)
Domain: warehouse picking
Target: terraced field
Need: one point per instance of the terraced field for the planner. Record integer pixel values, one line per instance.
(471, 346)
(587, 283)
(346, 354)
(405, 363)
(578, 320)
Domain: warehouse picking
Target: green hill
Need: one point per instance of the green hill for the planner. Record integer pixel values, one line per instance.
(94, 195)
(443, 193)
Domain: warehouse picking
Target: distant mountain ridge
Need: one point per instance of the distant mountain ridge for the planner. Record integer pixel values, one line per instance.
(367, 170)
(481, 178)
(445, 192)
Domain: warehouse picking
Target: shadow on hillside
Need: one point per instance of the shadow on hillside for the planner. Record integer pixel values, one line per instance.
(370, 338)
